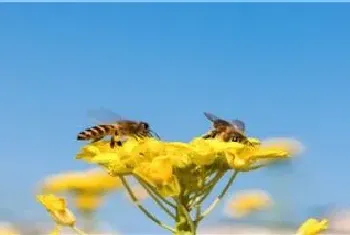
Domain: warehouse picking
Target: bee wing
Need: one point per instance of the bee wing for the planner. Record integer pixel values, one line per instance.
(239, 125)
(103, 116)
(215, 119)
(211, 117)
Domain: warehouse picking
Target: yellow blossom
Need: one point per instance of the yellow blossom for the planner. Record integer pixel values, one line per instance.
(159, 174)
(192, 169)
(154, 160)
(159, 171)
(87, 202)
(244, 158)
(245, 202)
(94, 180)
(313, 227)
(56, 206)
(56, 230)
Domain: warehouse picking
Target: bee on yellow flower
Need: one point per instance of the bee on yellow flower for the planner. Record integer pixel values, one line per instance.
(58, 210)
(313, 227)
(246, 202)
(180, 176)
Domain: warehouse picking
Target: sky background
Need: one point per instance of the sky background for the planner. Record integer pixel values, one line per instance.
(282, 68)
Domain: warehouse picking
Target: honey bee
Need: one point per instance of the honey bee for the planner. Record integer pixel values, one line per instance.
(121, 128)
(226, 131)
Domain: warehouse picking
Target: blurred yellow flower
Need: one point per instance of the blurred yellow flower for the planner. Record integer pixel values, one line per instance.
(56, 206)
(86, 187)
(56, 230)
(87, 202)
(245, 202)
(313, 227)
(7, 229)
(94, 180)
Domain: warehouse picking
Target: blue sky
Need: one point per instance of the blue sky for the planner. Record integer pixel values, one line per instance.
(283, 68)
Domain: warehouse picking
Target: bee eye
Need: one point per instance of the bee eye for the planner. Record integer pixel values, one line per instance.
(145, 125)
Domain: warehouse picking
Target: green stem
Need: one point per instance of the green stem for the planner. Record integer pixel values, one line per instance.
(144, 210)
(183, 211)
(78, 231)
(56, 230)
(89, 220)
(209, 188)
(217, 200)
(155, 192)
(198, 214)
(155, 198)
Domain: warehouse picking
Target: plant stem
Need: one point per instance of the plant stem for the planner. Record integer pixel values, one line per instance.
(217, 200)
(187, 215)
(155, 198)
(209, 188)
(144, 210)
(56, 230)
(78, 231)
(198, 214)
(154, 191)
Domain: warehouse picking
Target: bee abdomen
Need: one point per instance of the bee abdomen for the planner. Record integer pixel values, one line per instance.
(94, 132)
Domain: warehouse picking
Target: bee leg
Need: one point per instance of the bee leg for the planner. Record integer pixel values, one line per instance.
(140, 136)
(113, 142)
(209, 134)
(119, 143)
(121, 140)
(97, 139)
(234, 139)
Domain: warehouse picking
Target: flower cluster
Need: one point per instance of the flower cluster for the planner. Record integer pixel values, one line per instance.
(58, 210)
(245, 202)
(313, 227)
(174, 166)
(87, 187)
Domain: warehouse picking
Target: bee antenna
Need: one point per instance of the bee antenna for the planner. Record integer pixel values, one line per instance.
(154, 133)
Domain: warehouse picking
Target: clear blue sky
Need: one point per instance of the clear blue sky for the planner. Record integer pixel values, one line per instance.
(283, 68)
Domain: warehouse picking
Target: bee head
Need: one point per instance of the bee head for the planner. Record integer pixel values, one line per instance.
(145, 125)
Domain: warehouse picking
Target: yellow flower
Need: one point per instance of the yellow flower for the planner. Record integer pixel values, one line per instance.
(158, 162)
(205, 152)
(56, 206)
(94, 180)
(87, 202)
(245, 202)
(278, 148)
(200, 152)
(56, 230)
(313, 227)
(157, 172)
(248, 156)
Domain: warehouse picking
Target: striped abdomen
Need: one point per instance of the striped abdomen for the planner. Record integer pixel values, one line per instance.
(96, 132)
